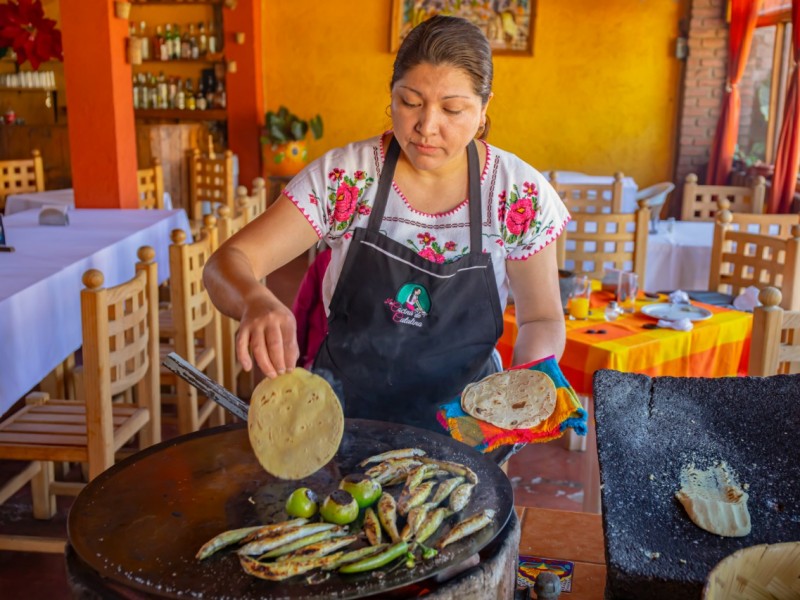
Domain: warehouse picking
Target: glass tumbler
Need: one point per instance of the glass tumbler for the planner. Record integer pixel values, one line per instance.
(579, 300)
(628, 290)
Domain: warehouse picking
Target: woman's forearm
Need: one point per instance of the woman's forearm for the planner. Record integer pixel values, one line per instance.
(539, 339)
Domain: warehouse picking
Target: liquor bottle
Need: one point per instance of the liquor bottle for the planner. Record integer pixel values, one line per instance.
(176, 42)
(180, 98)
(152, 92)
(163, 91)
(136, 93)
(145, 41)
(186, 46)
(167, 42)
(200, 98)
(191, 103)
(161, 51)
(221, 96)
(202, 39)
(212, 38)
(194, 48)
(173, 91)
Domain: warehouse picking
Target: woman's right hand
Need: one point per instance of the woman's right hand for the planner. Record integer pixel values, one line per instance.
(268, 331)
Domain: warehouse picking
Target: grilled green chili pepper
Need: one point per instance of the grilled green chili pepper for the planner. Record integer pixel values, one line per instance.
(378, 560)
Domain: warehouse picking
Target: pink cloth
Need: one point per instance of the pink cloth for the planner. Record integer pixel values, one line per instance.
(309, 310)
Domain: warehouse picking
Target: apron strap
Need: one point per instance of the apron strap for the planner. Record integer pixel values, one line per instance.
(384, 183)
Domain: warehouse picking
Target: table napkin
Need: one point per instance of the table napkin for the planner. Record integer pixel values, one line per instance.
(677, 325)
(485, 437)
(747, 300)
(679, 297)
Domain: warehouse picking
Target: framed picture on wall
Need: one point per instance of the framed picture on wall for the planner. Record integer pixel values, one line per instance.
(508, 24)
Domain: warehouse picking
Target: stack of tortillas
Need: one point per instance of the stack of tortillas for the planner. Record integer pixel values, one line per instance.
(517, 399)
(295, 424)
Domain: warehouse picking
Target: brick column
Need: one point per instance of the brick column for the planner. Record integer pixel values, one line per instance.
(703, 87)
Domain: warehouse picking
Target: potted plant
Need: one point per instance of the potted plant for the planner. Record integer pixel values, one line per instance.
(283, 141)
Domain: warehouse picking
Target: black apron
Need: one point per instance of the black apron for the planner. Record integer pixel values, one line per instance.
(406, 335)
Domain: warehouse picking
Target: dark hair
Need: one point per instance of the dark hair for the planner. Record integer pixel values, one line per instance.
(444, 40)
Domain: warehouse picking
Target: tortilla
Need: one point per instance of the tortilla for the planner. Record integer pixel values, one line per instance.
(295, 424)
(518, 399)
(714, 500)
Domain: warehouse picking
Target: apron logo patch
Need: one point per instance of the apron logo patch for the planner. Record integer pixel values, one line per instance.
(410, 306)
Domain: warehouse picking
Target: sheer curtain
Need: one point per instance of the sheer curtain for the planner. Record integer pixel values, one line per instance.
(743, 24)
(788, 156)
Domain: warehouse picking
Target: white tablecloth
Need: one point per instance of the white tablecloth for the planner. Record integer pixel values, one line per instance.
(40, 283)
(20, 202)
(629, 186)
(680, 258)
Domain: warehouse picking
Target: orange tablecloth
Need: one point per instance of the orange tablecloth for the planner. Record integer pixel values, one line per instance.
(716, 347)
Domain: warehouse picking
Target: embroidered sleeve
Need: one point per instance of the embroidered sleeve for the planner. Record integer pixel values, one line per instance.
(531, 215)
(331, 191)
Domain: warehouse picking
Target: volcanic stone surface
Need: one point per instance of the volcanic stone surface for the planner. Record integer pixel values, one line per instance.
(647, 429)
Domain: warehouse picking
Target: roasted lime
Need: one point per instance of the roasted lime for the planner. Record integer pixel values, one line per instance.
(340, 508)
(364, 489)
(302, 503)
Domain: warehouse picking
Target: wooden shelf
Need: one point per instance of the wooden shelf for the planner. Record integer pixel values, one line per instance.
(207, 59)
(26, 89)
(215, 114)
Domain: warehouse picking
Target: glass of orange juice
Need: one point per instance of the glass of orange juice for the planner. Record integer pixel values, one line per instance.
(579, 301)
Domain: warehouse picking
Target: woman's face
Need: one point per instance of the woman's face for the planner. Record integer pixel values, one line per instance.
(436, 113)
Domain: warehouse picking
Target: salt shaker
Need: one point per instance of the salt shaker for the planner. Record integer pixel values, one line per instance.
(612, 311)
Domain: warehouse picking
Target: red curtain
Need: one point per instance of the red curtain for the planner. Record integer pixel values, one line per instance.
(788, 157)
(743, 24)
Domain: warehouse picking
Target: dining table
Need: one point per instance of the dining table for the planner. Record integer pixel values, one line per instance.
(679, 256)
(61, 198)
(41, 280)
(717, 346)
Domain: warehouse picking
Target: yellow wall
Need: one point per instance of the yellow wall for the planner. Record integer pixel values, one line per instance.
(599, 94)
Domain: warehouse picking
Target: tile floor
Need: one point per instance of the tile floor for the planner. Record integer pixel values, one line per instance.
(542, 475)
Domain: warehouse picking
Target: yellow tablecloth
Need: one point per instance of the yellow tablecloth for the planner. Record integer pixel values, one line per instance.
(716, 347)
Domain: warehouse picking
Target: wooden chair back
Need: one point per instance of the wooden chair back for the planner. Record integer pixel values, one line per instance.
(700, 202)
(120, 350)
(775, 344)
(196, 322)
(210, 183)
(151, 186)
(254, 204)
(764, 224)
(593, 198)
(740, 259)
(594, 242)
(19, 176)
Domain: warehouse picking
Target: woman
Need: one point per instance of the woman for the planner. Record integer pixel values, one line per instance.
(427, 207)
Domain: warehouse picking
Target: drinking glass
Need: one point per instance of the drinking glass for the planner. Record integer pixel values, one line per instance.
(628, 289)
(579, 300)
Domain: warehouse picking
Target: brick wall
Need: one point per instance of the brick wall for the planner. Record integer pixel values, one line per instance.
(703, 86)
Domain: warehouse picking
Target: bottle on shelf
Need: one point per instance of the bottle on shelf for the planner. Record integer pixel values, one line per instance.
(202, 39)
(221, 97)
(152, 92)
(166, 52)
(173, 91)
(194, 48)
(159, 45)
(163, 91)
(145, 41)
(186, 46)
(212, 38)
(191, 103)
(137, 93)
(200, 97)
(175, 51)
(180, 98)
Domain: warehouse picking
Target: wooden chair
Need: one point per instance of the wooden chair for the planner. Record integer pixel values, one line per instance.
(210, 183)
(120, 351)
(775, 345)
(699, 202)
(197, 334)
(151, 186)
(18, 176)
(776, 225)
(596, 241)
(252, 205)
(740, 259)
(593, 198)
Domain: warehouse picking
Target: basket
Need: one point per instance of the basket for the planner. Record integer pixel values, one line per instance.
(765, 572)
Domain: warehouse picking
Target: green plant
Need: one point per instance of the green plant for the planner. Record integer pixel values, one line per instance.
(283, 126)
(754, 156)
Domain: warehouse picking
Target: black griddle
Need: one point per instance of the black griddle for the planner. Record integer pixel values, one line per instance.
(648, 429)
(141, 522)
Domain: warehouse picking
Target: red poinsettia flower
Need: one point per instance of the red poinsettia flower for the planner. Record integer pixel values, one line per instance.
(32, 36)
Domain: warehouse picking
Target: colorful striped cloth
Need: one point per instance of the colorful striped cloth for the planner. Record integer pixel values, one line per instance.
(485, 437)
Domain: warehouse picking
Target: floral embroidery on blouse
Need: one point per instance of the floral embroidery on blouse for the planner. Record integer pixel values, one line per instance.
(517, 214)
(345, 197)
(431, 250)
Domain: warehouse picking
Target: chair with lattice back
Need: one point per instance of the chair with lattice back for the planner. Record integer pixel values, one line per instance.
(150, 184)
(251, 204)
(590, 197)
(741, 258)
(701, 202)
(197, 335)
(120, 351)
(19, 176)
(594, 242)
(210, 183)
(775, 344)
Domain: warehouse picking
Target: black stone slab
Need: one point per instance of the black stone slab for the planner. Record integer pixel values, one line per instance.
(647, 429)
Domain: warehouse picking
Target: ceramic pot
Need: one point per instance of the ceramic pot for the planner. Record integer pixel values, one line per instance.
(285, 160)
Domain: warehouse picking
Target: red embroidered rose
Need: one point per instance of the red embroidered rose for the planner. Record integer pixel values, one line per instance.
(430, 254)
(359, 175)
(336, 174)
(529, 189)
(520, 216)
(450, 246)
(364, 209)
(346, 200)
